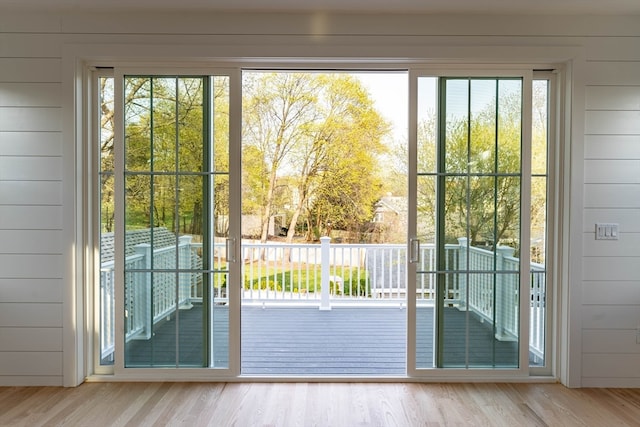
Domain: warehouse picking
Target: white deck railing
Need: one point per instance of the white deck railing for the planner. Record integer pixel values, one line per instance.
(475, 279)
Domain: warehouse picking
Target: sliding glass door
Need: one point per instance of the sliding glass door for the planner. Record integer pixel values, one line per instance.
(172, 175)
(164, 220)
(471, 200)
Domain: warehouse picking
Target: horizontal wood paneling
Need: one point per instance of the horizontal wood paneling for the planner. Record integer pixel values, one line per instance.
(626, 218)
(30, 290)
(34, 45)
(30, 217)
(627, 245)
(29, 266)
(30, 119)
(612, 196)
(612, 147)
(30, 21)
(163, 22)
(30, 193)
(612, 171)
(27, 70)
(612, 97)
(30, 339)
(21, 363)
(612, 122)
(30, 143)
(604, 340)
(605, 365)
(610, 317)
(609, 292)
(611, 268)
(31, 242)
(14, 168)
(30, 94)
(616, 73)
(31, 315)
(32, 256)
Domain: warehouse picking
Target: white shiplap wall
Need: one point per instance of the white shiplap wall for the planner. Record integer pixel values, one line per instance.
(611, 287)
(34, 208)
(31, 212)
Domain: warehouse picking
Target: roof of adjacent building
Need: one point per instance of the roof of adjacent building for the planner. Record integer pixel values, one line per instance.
(160, 235)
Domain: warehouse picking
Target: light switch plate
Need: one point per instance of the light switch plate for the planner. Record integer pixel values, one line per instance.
(607, 231)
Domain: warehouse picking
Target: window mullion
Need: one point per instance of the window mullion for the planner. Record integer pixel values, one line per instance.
(525, 220)
(119, 220)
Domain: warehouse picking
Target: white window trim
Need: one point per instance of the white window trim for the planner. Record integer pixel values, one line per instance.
(78, 58)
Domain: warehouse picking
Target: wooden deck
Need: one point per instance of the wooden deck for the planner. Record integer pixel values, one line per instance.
(307, 341)
(304, 341)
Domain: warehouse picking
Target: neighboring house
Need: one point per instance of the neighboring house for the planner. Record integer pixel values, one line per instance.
(390, 219)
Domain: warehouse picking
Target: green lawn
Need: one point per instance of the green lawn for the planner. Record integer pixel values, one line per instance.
(307, 278)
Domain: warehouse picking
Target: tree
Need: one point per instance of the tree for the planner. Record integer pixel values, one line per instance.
(166, 138)
(539, 181)
(277, 110)
(480, 174)
(308, 128)
(345, 196)
(339, 155)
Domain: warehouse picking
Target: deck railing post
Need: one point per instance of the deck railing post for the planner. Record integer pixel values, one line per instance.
(463, 256)
(504, 293)
(325, 254)
(107, 311)
(184, 263)
(143, 292)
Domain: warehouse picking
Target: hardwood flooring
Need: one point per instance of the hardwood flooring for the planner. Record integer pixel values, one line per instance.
(317, 404)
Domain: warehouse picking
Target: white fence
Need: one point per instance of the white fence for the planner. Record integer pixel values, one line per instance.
(149, 295)
(484, 282)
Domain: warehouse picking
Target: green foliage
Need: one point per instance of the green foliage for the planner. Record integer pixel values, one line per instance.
(480, 143)
(356, 288)
(306, 136)
(166, 147)
(319, 136)
(304, 280)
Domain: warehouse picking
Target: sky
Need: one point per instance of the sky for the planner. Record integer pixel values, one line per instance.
(390, 92)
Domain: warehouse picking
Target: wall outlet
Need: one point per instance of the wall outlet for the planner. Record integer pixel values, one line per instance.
(606, 231)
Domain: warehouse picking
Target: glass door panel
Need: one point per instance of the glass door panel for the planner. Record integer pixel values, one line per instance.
(176, 193)
(469, 137)
(479, 195)
(105, 290)
(542, 102)
(426, 218)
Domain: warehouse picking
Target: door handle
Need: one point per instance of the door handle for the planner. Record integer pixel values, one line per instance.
(231, 249)
(414, 250)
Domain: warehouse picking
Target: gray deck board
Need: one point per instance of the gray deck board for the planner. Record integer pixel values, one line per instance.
(304, 341)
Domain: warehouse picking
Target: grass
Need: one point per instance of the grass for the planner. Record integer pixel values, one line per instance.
(303, 278)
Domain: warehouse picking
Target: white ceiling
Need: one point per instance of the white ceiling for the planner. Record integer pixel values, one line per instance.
(365, 6)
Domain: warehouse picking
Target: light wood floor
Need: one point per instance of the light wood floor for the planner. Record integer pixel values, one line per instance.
(318, 404)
